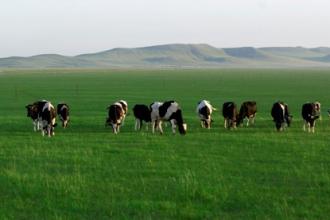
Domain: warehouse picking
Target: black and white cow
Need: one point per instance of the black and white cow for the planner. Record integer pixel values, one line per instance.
(48, 118)
(167, 111)
(248, 110)
(141, 113)
(34, 112)
(204, 111)
(281, 115)
(116, 114)
(230, 114)
(63, 113)
(310, 113)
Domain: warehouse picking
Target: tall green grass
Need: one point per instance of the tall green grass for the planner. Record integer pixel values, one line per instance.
(86, 172)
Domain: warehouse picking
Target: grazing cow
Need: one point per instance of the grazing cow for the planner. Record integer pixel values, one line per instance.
(116, 114)
(310, 113)
(63, 113)
(204, 111)
(248, 110)
(229, 113)
(34, 112)
(167, 111)
(48, 117)
(141, 113)
(281, 115)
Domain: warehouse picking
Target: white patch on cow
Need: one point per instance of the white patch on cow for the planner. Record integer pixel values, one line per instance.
(185, 126)
(63, 107)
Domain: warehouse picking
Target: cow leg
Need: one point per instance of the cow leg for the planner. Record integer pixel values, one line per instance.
(173, 126)
(34, 125)
(202, 124)
(225, 124)
(153, 125)
(313, 126)
(304, 125)
(136, 124)
(114, 128)
(159, 123)
(308, 126)
(49, 131)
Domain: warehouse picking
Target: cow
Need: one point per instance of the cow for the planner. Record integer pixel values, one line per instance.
(229, 113)
(248, 110)
(281, 115)
(204, 112)
(116, 114)
(167, 111)
(48, 118)
(63, 111)
(141, 113)
(34, 112)
(310, 113)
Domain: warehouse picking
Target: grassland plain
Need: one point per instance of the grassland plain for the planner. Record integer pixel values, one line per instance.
(86, 172)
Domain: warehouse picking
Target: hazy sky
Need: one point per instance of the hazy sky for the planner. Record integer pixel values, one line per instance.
(70, 27)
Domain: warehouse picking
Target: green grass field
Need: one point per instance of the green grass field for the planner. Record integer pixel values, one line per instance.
(86, 172)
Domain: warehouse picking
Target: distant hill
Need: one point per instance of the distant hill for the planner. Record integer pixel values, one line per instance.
(180, 56)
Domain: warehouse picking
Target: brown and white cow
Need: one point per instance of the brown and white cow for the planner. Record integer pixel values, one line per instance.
(48, 118)
(167, 111)
(116, 114)
(34, 112)
(141, 113)
(248, 110)
(63, 113)
(310, 113)
(204, 111)
(281, 115)
(230, 114)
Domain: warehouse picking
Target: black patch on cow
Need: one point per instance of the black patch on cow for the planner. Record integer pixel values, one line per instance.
(163, 108)
(142, 112)
(205, 111)
(114, 114)
(179, 120)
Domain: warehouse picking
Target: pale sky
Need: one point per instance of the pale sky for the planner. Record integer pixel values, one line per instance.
(71, 27)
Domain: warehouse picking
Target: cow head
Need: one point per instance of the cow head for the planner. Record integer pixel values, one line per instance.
(182, 128)
(289, 120)
(32, 111)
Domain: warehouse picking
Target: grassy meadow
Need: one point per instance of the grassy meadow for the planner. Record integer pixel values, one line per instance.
(86, 172)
